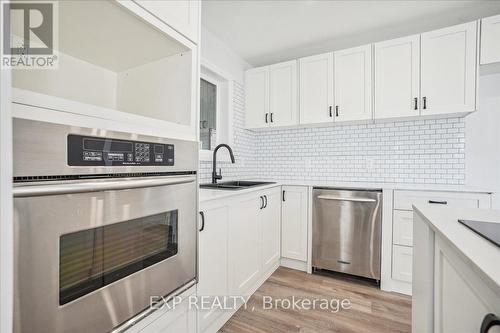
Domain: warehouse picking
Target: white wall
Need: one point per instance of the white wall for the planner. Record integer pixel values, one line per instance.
(219, 54)
(482, 138)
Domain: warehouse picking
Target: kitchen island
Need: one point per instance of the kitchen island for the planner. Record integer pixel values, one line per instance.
(456, 272)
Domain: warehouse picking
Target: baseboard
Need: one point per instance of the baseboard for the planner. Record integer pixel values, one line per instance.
(220, 321)
(396, 286)
(294, 264)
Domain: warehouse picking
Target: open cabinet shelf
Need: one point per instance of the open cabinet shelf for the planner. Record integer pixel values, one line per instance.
(113, 59)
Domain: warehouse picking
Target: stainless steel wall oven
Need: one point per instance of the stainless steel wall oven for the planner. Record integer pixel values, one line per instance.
(103, 220)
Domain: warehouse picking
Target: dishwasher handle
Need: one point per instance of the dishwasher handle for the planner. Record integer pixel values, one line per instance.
(337, 198)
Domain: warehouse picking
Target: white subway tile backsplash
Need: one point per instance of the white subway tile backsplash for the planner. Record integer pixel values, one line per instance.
(420, 151)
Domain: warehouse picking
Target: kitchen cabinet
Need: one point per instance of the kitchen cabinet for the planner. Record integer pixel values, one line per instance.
(448, 70)
(353, 84)
(454, 287)
(271, 95)
(402, 227)
(490, 40)
(462, 299)
(283, 94)
(294, 222)
(181, 15)
(244, 244)
(257, 97)
(212, 257)
(253, 239)
(316, 89)
(397, 83)
(271, 228)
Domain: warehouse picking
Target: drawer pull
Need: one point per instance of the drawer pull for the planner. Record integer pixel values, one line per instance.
(438, 202)
(489, 321)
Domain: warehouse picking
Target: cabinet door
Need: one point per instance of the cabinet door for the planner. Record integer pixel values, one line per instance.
(181, 15)
(244, 244)
(316, 89)
(397, 70)
(490, 40)
(212, 259)
(283, 94)
(448, 70)
(271, 228)
(294, 223)
(257, 97)
(353, 83)
(462, 298)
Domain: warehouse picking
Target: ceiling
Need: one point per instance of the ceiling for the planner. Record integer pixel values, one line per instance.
(266, 31)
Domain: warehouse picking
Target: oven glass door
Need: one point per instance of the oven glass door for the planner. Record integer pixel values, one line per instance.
(87, 261)
(93, 258)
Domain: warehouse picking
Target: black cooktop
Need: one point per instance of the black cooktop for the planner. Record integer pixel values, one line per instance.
(488, 230)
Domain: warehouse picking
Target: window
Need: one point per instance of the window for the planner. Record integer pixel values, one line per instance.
(208, 114)
(93, 258)
(216, 116)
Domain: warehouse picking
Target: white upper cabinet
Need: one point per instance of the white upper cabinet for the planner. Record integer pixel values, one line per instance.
(397, 70)
(283, 94)
(316, 89)
(181, 15)
(271, 95)
(257, 97)
(353, 83)
(448, 70)
(490, 40)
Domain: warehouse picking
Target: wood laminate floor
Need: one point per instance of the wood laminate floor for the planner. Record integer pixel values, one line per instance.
(371, 310)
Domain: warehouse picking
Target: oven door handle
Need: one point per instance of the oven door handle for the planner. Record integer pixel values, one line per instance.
(98, 186)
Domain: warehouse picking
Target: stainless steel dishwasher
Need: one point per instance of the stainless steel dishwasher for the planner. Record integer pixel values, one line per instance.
(347, 231)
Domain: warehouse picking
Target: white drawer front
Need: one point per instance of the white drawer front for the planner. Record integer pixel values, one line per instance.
(405, 199)
(402, 257)
(402, 229)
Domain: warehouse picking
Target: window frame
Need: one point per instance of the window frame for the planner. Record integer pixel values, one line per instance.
(224, 83)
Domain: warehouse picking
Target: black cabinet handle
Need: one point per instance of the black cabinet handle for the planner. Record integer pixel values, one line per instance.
(266, 117)
(415, 106)
(336, 111)
(425, 102)
(265, 197)
(489, 321)
(202, 221)
(283, 195)
(438, 202)
(271, 117)
(261, 202)
(330, 111)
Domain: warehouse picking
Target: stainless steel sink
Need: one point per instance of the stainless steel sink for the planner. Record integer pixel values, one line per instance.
(234, 185)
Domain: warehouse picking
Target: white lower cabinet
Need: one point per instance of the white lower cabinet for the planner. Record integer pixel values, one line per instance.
(244, 243)
(271, 229)
(402, 263)
(402, 227)
(212, 259)
(461, 298)
(239, 246)
(294, 222)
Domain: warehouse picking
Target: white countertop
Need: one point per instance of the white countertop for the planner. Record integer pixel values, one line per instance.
(206, 194)
(481, 253)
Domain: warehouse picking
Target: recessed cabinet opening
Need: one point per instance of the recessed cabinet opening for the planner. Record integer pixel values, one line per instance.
(111, 58)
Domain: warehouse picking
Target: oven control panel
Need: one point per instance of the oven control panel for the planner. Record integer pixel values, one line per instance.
(93, 151)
